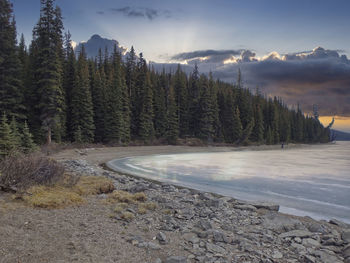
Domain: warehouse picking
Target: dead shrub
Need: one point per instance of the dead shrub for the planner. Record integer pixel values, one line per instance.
(23, 171)
(92, 185)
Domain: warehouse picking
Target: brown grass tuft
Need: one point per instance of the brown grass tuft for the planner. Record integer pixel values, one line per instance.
(52, 197)
(126, 197)
(92, 185)
(127, 216)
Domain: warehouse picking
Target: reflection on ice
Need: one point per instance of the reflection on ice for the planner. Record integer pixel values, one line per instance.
(314, 180)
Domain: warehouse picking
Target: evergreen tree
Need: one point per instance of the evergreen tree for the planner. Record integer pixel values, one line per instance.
(99, 99)
(181, 92)
(172, 131)
(11, 96)
(194, 106)
(6, 142)
(160, 113)
(206, 115)
(15, 135)
(258, 129)
(48, 75)
(82, 108)
(237, 127)
(27, 143)
(215, 109)
(113, 115)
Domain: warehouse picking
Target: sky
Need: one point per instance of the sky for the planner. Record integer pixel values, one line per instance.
(296, 49)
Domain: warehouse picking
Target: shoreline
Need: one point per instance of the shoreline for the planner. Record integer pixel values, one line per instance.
(186, 226)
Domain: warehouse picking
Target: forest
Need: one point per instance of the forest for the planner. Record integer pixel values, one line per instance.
(48, 93)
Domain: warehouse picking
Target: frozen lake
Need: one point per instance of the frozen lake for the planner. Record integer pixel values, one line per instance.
(313, 180)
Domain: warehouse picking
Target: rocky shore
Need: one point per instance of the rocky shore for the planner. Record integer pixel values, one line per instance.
(210, 228)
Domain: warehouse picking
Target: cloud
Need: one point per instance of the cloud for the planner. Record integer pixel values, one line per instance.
(206, 53)
(141, 12)
(319, 76)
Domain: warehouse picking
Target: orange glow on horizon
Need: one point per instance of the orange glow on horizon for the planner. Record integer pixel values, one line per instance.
(341, 123)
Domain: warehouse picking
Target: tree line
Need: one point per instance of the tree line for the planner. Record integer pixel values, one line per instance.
(61, 96)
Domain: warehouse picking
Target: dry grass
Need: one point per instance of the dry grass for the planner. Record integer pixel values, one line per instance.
(127, 216)
(92, 185)
(120, 207)
(52, 197)
(60, 195)
(126, 197)
(148, 206)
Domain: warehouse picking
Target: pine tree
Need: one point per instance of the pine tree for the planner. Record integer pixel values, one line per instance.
(11, 86)
(258, 129)
(27, 143)
(99, 100)
(113, 118)
(172, 131)
(181, 92)
(82, 108)
(206, 115)
(237, 127)
(6, 142)
(160, 113)
(194, 106)
(269, 136)
(68, 83)
(15, 135)
(215, 109)
(48, 69)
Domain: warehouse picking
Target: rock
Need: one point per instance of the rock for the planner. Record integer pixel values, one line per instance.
(153, 246)
(265, 205)
(220, 237)
(309, 242)
(204, 224)
(346, 252)
(215, 248)
(140, 187)
(277, 255)
(246, 207)
(280, 223)
(338, 223)
(176, 259)
(346, 236)
(296, 233)
(309, 259)
(158, 260)
(161, 237)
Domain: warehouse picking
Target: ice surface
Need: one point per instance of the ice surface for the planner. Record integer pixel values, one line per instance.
(313, 180)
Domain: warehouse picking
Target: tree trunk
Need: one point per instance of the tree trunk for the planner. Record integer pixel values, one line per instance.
(48, 138)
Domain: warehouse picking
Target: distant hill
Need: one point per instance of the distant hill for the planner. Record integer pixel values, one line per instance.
(340, 136)
(96, 42)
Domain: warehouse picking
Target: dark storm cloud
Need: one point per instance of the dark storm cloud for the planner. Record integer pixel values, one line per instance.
(141, 12)
(318, 76)
(221, 55)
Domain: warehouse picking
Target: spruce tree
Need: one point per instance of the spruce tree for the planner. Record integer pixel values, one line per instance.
(99, 100)
(11, 86)
(237, 127)
(206, 115)
(181, 92)
(48, 75)
(82, 108)
(6, 141)
(258, 129)
(160, 113)
(15, 135)
(114, 118)
(27, 143)
(172, 131)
